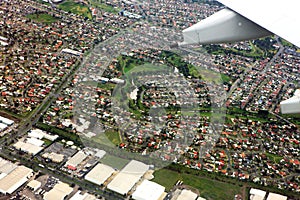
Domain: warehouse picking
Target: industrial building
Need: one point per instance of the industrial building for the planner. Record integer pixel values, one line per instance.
(34, 185)
(256, 194)
(59, 192)
(187, 195)
(125, 180)
(85, 196)
(148, 190)
(6, 121)
(99, 174)
(15, 179)
(28, 147)
(75, 160)
(273, 196)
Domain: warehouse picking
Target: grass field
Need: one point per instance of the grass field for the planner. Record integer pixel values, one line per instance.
(114, 161)
(209, 189)
(274, 157)
(113, 136)
(42, 17)
(76, 8)
(109, 138)
(104, 6)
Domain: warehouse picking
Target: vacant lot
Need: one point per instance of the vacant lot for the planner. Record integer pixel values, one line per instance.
(76, 8)
(209, 189)
(42, 17)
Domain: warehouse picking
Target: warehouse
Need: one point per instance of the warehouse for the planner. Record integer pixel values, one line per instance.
(6, 121)
(80, 196)
(6, 167)
(75, 160)
(99, 174)
(59, 192)
(34, 185)
(273, 196)
(15, 179)
(187, 195)
(28, 148)
(39, 134)
(148, 190)
(2, 127)
(257, 194)
(128, 177)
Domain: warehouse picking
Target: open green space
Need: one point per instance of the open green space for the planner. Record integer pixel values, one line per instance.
(76, 8)
(209, 189)
(225, 78)
(42, 17)
(148, 67)
(113, 136)
(104, 7)
(255, 51)
(274, 157)
(114, 161)
(106, 86)
(102, 138)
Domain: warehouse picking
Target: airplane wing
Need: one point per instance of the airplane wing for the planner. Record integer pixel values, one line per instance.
(250, 19)
(279, 17)
(247, 19)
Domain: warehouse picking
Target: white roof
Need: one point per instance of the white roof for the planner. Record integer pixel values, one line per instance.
(76, 159)
(135, 167)
(99, 174)
(34, 184)
(273, 196)
(27, 147)
(257, 194)
(35, 141)
(70, 51)
(37, 133)
(187, 195)
(15, 179)
(6, 166)
(85, 196)
(148, 190)
(100, 154)
(291, 105)
(2, 126)
(277, 16)
(6, 121)
(3, 38)
(128, 177)
(59, 192)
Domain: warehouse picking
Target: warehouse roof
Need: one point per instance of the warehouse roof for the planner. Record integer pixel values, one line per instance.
(76, 159)
(35, 141)
(59, 192)
(256, 194)
(128, 177)
(34, 184)
(27, 147)
(99, 174)
(273, 196)
(148, 190)
(6, 121)
(85, 196)
(15, 179)
(187, 195)
(2, 126)
(6, 166)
